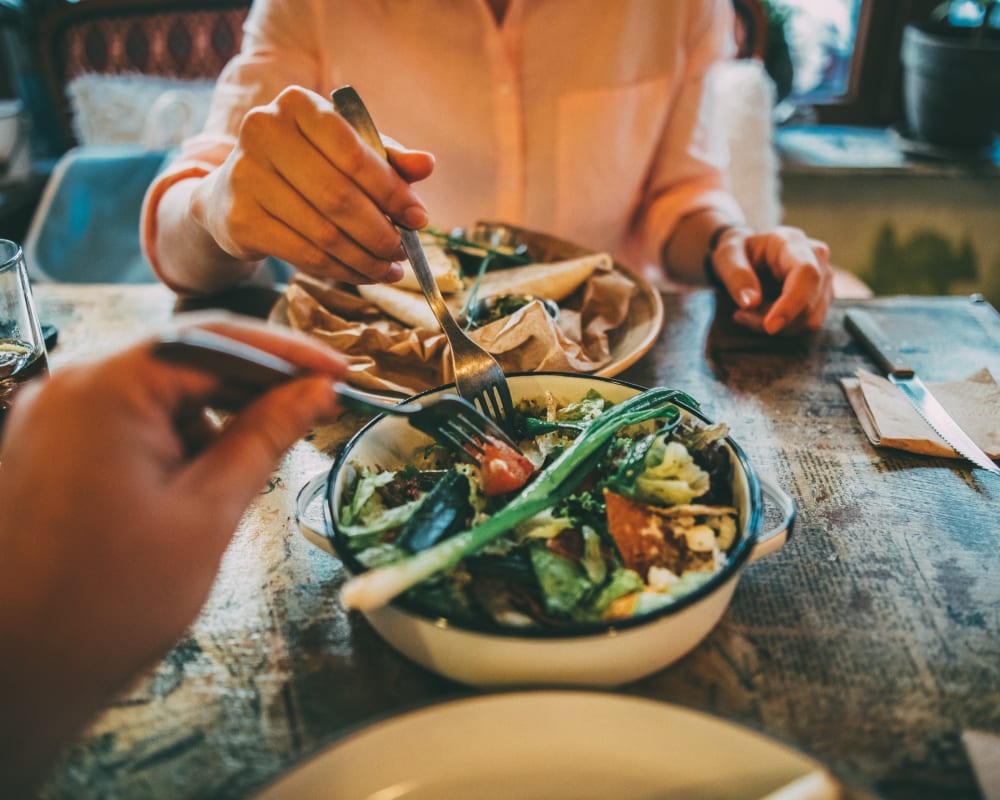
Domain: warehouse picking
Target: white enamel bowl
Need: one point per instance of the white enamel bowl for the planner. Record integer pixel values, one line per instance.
(605, 654)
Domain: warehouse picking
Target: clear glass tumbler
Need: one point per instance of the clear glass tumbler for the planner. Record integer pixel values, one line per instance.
(22, 347)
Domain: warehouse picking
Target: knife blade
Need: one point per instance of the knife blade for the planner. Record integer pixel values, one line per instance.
(869, 333)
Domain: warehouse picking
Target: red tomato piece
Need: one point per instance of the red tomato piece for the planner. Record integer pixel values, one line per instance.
(503, 468)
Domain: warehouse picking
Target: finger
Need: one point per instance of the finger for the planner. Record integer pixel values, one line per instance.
(256, 438)
(288, 208)
(779, 250)
(275, 217)
(754, 320)
(412, 165)
(334, 137)
(248, 230)
(735, 270)
(164, 389)
(310, 147)
(787, 254)
(331, 210)
(749, 318)
(818, 313)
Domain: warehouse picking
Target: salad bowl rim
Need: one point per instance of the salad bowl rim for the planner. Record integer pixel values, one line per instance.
(737, 558)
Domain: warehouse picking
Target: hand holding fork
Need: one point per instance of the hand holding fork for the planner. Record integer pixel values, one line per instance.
(478, 377)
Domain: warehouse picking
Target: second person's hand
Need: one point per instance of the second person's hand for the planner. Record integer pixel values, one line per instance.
(300, 185)
(118, 497)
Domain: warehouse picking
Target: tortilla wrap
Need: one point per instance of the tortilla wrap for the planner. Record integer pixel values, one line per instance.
(444, 270)
(410, 308)
(556, 280)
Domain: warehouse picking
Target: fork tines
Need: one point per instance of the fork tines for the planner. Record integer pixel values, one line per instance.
(469, 428)
(465, 437)
(490, 428)
(496, 404)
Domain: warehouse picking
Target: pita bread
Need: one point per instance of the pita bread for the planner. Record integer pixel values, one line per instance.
(444, 269)
(556, 280)
(410, 308)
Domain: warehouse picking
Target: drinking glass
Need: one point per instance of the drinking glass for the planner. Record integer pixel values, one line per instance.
(22, 347)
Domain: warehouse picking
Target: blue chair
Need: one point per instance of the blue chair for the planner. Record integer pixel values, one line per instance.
(86, 226)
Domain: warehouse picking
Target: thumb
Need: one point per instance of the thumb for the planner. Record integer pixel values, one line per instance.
(234, 467)
(413, 165)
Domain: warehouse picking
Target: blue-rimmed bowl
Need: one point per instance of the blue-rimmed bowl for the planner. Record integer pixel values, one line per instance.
(591, 654)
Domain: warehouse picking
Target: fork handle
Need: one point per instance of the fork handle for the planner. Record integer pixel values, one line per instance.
(237, 363)
(365, 402)
(349, 105)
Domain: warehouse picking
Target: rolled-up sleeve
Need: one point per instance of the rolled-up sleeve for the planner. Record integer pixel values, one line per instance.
(276, 53)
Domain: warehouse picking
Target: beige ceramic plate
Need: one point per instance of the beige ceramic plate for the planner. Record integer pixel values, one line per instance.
(628, 344)
(555, 745)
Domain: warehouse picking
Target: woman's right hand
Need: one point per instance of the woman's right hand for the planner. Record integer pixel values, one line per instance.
(300, 185)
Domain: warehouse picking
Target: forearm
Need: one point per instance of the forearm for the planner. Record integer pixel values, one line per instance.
(188, 257)
(684, 253)
(40, 717)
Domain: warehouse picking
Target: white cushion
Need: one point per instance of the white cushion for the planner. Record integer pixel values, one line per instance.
(137, 109)
(744, 106)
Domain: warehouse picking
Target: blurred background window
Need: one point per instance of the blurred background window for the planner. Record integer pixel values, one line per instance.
(845, 54)
(821, 36)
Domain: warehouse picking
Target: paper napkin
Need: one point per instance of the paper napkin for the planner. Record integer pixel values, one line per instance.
(984, 753)
(889, 420)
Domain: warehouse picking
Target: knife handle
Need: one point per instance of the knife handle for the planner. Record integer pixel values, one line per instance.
(866, 330)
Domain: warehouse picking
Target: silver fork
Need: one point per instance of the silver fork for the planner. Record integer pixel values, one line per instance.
(478, 376)
(247, 371)
(448, 419)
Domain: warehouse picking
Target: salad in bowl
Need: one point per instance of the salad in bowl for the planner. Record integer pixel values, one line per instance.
(597, 518)
(603, 550)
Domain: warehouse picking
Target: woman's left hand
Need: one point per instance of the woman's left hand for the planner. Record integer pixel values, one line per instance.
(781, 280)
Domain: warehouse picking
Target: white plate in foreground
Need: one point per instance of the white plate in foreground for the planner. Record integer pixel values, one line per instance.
(554, 745)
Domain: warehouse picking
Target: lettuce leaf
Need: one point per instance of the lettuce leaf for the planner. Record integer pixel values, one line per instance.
(670, 475)
(563, 583)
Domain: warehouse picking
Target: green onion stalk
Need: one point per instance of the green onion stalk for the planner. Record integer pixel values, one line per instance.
(377, 587)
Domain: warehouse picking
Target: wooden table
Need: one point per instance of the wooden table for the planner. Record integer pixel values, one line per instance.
(871, 640)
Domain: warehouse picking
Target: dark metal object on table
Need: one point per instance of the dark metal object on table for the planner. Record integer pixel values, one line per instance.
(499, 243)
(478, 376)
(863, 326)
(481, 312)
(248, 371)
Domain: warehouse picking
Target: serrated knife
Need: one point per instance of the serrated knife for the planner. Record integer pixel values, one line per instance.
(869, 333)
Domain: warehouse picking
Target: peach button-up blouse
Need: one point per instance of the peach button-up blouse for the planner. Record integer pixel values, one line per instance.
(587, 119)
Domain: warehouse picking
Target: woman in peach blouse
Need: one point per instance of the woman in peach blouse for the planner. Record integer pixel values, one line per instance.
(588, 120)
